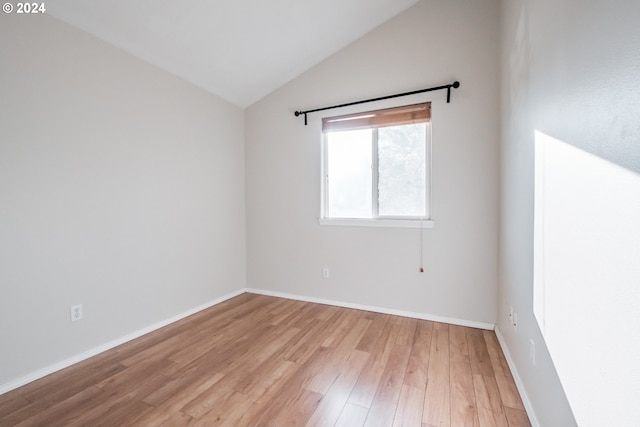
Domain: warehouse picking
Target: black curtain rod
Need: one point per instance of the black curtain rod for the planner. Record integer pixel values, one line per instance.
(448, 87)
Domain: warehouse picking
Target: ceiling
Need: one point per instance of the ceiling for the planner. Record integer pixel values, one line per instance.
(240, 50)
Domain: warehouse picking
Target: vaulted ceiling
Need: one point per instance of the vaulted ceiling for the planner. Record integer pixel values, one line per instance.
(240, 50)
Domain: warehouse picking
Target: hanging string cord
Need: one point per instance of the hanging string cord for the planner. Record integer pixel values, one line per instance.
(421, 246)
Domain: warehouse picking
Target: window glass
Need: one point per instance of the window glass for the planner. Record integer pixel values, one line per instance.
(349, 174)
(402, 170)
(376, 165)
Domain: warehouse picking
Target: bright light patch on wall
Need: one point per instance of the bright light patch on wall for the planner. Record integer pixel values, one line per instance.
(587, 279)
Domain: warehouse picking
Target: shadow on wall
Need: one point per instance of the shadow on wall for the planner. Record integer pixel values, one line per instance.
(587, 279)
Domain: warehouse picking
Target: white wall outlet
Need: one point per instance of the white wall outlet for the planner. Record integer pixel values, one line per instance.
(532, 351)
(325, 273)
(76, 312)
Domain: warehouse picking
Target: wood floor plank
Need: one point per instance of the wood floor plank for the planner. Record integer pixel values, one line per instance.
(119, 404)
(51, 383)
(222, 358)
(498, 361)
(177, 401)
(517, 418)
(306, 343)
(208, 346)
(437, 404)
(385, 401)
(322, 381)
(463, 402)
(171, 386)
(212, 316)
(221, 315)
(256, 385)
(458, 340)
(303, 317)
(205, 402)
(293, 312)
(502, 373)
(134, 374)
(374, 332)
(262, 349)
(327, 312)
(416, 374)
(267, 399)
(31, 409)
(257, 360)
(330, 408)
(10, 403)
(352, 416)
(291, 403)
(255, 407)
(286, 307)
(407, 331)
(227, 411)
(342, 328)
(298, 410)
(409, 411)
(177, 419)
(509, 392)
(74, 381)
(54, 389)
(490, 409)
(63, 412)
(365, 389)
(478, 354)
(125, 413)
(235, 417)
(285, 394)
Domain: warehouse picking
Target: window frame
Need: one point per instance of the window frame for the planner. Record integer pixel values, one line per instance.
(377, 220)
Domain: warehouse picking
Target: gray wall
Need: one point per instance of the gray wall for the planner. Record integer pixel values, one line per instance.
(432, 43)
(121, 188)
(570, 70)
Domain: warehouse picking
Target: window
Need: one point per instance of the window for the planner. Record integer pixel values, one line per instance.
(376, 167)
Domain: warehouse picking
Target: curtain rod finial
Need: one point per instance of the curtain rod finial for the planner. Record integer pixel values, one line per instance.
(297, 113)
(456, 84)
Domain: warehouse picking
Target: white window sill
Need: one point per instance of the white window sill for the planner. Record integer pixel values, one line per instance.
(395, 223)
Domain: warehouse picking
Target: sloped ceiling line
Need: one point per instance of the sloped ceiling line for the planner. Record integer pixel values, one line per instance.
(219, 44)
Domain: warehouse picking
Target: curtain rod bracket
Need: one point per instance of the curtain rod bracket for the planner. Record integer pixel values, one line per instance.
(454, 85)
(297, 113)
(448, 87)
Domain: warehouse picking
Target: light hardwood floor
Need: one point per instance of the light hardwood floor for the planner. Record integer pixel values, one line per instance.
(263, 361)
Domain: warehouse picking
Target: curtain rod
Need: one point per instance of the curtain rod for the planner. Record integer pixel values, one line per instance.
(448, 87)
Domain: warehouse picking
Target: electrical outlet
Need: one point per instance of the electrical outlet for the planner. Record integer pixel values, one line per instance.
(325, 273)
(532, 351)
(76, 312)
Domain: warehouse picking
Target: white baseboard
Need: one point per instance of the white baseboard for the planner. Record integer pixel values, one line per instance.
(422, 316)
(4, 388)
(516, 377)
(40, 373)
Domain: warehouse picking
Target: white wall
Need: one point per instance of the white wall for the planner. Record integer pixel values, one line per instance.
(121, 188)
(570, 72)
(432, 43)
